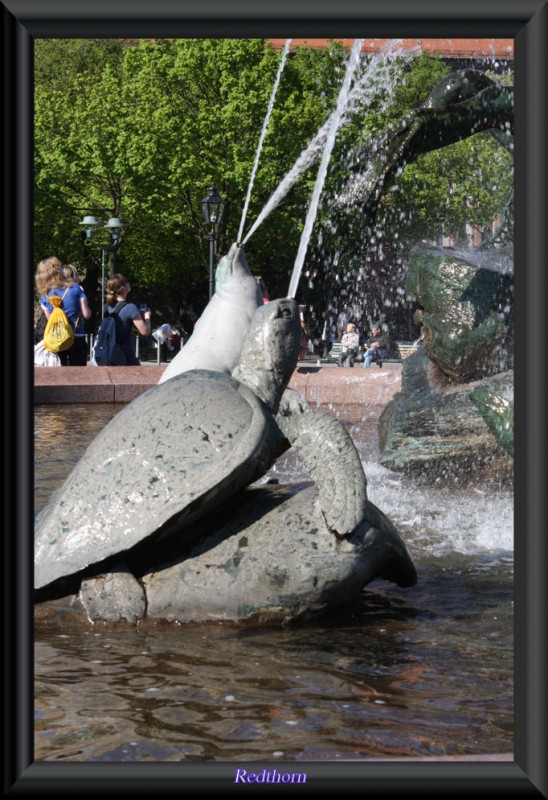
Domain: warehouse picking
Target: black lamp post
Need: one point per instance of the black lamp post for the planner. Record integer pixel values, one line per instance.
(213, 207)
(114, 227)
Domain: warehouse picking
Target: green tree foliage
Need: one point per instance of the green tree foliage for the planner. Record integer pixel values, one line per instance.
(139, 130)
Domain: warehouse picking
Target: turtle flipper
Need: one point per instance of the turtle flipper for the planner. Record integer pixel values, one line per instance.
(331, 457)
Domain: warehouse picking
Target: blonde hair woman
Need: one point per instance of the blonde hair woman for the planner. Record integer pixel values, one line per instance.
(50, 280)
(70, 274)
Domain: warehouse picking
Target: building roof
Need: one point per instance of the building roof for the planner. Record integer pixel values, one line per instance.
(448, 48)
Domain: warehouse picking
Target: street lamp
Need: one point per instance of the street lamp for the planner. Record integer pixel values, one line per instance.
(114, 227)
(213, 207)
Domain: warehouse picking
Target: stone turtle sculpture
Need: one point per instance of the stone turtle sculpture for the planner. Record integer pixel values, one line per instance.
(275, 561)
(187, 445)
(171, 455)
(265, 556)
(153, 523)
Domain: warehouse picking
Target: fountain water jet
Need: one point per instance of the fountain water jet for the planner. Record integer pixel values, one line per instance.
(322, 172)
(380, 71)
(261, 137)
(464, 596)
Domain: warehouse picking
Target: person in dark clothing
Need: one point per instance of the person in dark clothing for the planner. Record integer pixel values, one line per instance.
(118, 288)
(376, 347)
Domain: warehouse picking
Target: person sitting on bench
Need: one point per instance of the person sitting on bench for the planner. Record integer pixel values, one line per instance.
(376, 347)
(350, 343)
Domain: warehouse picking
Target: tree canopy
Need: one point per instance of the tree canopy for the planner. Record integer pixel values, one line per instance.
(139, 131)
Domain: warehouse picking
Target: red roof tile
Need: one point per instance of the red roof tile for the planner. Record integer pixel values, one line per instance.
(458, 48)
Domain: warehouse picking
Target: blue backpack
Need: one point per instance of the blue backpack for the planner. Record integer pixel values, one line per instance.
(108, 350)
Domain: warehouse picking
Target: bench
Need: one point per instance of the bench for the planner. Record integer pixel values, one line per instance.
(335, 351)
(404, 349)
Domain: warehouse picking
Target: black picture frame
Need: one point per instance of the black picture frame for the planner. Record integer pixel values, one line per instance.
(526, 21)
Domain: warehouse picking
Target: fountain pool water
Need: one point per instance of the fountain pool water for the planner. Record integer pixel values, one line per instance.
(426, 671)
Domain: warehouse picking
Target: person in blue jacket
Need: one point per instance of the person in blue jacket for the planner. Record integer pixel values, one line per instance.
(52, 277)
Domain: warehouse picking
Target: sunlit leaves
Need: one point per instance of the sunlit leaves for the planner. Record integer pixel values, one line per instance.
(139, 130)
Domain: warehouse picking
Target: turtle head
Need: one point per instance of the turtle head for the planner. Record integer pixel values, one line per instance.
(233, 278)
(270, 350)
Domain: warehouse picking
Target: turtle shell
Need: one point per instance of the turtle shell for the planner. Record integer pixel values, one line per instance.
(175, 453)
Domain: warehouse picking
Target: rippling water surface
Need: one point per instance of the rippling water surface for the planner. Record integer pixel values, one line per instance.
(426, 671)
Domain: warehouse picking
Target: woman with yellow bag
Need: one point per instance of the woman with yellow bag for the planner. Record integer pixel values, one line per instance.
(54, 279)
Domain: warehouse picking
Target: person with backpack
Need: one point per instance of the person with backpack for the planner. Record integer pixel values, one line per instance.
(50, 281)
(115, 346)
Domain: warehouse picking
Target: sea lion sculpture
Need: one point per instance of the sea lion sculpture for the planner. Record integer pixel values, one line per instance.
(217, 339)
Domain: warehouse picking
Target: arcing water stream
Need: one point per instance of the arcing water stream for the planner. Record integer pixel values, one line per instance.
(377, 79)
(421, 672)
(322, 172)
(261, 137)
